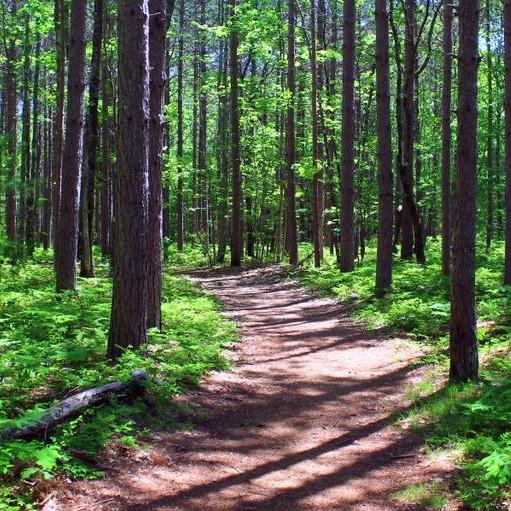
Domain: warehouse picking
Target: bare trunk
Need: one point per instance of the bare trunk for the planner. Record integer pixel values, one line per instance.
(317, 214)
(507, 36)
(66, 242)
(33, 181)
(11, 130)
(91, 141)
(292, 242)
(385, 212)
(157, 45)
(490, 134)
(58, 132)
(463, 340)
(408, 128)
(180, 65)
(106, 178)
(237, 234)
(446, 139)
(128, 326)
(347, 242)
(25, 143)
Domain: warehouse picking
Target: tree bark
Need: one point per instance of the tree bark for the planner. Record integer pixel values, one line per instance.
(157, 46)
(60, 15)
(463, 340)
(128, 326)
(408, 127)
(507, 38)
(490, 134)
(236, 231)
(25, 143)
(347, 242)
(106, 178)
(317, 213)
(180, 87)
(383, 127)
(72, 406)
(33, 180)
(67, 227)
(446, 138)
(292, 241)
(11, 131)
(91, 146)
(222, 143)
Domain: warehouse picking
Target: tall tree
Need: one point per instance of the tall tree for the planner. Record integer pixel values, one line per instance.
(60, 16)
(236, 230)
(91, 146)
(489, 132)
(347, 245)
(463, 340)
(292, 237)
(507, 40)
(180, 92)
(446, 137)
(157, 44)
(106, 175)
(66, 242)
(385, 212)
(25, 139)
(408, 114)
(11, 129)
(317, 213)
(33, 177)
(128, 324)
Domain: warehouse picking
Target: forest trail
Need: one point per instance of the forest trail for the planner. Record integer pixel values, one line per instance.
(302, 422)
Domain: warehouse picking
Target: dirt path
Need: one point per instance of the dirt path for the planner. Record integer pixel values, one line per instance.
(303, 422)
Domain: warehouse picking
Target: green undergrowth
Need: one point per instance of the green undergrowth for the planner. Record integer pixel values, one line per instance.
(54, 345)
(471, 422)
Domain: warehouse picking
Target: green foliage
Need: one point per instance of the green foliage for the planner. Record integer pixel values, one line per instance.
(428, 496)
(52, 345)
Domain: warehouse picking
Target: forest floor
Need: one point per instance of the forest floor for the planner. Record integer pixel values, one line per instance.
(305, 420)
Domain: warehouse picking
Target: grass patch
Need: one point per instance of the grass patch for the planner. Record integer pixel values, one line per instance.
(53, 345)
(431, 496)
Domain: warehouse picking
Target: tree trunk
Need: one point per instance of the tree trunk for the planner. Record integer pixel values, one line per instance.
(236, 234)
(202, 167)
(180, 77)
(463, 340)
(73, 405)
(446, 138)
(11, 131)
(347, 242)
(292, 242)
(222, 149)
(408, 127)
(67, 227)
(157, 46)
(386, 210)
(58, 132)
(106, 178)
(47, 183)
(33, 181)
(128, 326)
(317, 213)
(507, 37)
(490, 134)
(91, 145)
(25, 143)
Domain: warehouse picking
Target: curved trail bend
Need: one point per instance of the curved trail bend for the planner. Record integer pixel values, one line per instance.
(302, 422)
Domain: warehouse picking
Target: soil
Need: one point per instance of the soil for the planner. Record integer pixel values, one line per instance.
(305, 420)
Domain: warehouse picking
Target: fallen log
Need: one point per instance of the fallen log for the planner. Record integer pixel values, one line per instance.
(72, 406)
